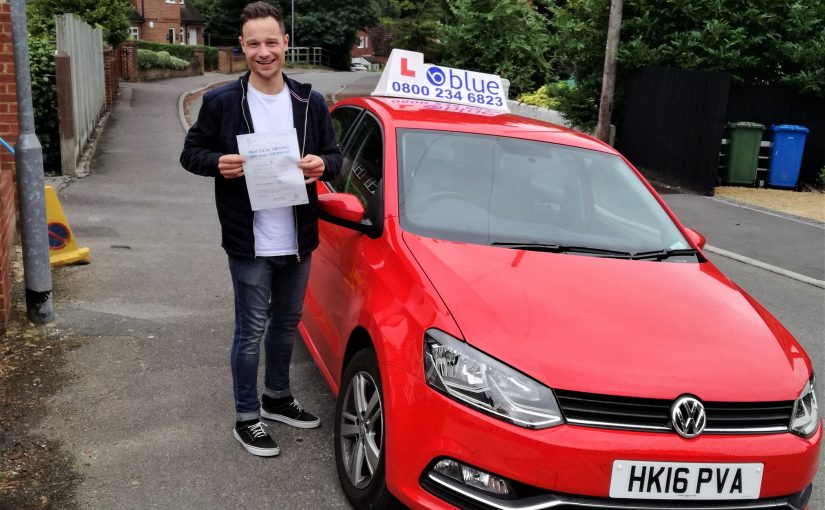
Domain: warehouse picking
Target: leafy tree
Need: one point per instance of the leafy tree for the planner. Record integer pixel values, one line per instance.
(415, 23)
(110, 15)
(220, 23)
(757, 41)
(506, 37)
(331, 24)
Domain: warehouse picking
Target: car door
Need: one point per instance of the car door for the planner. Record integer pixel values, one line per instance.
(335, 290)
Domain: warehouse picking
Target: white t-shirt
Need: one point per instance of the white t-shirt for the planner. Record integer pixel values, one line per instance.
(274, 229)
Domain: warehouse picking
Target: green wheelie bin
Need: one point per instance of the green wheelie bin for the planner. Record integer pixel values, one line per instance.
(744, 139)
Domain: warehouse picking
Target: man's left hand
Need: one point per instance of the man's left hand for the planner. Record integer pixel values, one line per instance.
(312, 166)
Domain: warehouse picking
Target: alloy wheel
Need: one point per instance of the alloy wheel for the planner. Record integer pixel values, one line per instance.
(362, 429)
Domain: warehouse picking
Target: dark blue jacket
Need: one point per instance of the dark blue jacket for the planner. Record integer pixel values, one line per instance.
(224, 115)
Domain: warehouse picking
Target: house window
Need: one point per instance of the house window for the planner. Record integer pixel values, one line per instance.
(363, 41)
(134, 33)
(170, 36)
(171, 2)
(182, 36)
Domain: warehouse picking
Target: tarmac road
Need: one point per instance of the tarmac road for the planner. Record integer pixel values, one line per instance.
(148, 416)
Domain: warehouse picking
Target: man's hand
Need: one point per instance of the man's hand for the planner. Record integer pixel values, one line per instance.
(312, 166)
(230, 166)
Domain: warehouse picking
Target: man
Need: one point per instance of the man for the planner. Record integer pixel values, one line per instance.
(269, 250)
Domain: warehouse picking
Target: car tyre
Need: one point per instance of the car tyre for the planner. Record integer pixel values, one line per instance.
(360, 435)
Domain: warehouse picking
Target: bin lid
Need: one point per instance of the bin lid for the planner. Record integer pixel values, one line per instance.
(789, 127)
(744, 125)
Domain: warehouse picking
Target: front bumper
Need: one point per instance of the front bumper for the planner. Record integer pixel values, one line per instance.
(571, 461)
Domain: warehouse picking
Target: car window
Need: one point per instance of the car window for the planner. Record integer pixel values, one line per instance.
(343, 119)
(492, 189)
(363, 166)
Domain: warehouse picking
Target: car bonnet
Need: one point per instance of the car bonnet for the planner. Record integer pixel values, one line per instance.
(611, 326)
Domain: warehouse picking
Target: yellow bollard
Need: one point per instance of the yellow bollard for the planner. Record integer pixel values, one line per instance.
(63, 249)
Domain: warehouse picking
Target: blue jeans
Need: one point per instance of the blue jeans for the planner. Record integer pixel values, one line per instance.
(269, 297)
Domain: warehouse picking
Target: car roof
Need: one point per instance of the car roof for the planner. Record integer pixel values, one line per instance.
(441, 116)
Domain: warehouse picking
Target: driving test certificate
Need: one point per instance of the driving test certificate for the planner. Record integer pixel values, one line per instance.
(270, 167)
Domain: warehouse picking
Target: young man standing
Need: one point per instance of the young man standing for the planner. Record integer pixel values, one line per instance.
(269, 250)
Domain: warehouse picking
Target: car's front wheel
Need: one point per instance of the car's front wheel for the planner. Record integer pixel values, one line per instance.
(360, 434)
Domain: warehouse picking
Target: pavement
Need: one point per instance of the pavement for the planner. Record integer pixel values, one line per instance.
(147, 414)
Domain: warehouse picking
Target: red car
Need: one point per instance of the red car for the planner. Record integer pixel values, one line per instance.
(512, 318)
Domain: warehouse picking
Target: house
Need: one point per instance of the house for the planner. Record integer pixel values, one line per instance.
(166, 21)
(372, 48)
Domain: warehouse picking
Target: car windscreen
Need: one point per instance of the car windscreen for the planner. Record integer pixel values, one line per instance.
(499, 190)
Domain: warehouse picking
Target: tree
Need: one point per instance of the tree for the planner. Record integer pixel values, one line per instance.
(505, 37)
(758, 41)
(414, 24)
(219, 22)
(331, 24)
(110, 15)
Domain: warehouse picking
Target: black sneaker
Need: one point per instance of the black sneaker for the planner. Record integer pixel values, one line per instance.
(255, 439)
(289, 411)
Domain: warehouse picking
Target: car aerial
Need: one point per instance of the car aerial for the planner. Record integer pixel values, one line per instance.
(512, 318)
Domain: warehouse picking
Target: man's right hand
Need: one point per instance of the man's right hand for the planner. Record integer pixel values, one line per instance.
(231, 166)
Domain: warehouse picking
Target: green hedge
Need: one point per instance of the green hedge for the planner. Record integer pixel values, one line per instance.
(44, 101)
(185, 52)
(148, 59)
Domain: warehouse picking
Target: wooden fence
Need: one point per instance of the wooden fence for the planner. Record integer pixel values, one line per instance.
(81, 86)
(674, 122)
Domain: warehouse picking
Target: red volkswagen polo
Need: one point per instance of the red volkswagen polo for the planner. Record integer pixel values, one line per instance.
(512, 318)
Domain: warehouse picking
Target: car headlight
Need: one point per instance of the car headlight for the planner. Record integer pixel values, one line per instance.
(805, 418)
(475, 379)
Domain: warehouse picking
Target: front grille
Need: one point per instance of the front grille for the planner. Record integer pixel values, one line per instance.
(647, 414)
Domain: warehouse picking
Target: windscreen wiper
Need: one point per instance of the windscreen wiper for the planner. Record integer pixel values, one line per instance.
(664, 254)
(563, 248)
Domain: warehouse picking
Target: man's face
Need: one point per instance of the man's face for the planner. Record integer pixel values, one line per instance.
(264, 46)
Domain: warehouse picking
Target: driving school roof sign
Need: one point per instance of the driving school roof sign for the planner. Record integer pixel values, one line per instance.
(406, 75)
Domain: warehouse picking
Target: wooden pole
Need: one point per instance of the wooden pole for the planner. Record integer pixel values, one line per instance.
(609, 76)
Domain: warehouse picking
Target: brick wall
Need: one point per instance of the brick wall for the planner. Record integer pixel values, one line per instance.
(8, 131)
(163, 16)
(229, 62)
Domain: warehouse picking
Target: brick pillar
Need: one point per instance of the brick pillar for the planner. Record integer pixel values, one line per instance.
(112, 75)
(224, 60)
(8, 131)
(199, 62)
(129, 49)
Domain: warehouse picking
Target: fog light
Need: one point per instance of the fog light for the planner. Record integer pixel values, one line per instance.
(473, 477)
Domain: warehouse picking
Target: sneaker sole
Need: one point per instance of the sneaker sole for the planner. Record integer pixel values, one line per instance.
(290, 421)
(260, 452)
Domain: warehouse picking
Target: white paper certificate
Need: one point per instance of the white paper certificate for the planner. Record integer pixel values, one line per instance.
(273, 178)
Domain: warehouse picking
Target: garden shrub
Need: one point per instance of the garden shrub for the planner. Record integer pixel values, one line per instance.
(148, 59)
(185, 52)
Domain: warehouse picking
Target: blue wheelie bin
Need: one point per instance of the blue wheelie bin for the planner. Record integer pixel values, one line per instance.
(786, 155)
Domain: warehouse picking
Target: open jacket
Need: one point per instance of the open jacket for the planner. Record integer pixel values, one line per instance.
(224, 115)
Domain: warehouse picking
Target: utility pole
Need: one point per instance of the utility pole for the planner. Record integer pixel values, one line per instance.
(292, 32)
(609, 75)
(28, 157)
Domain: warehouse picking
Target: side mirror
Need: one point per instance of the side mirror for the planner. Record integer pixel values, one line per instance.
(696, 238)
(341, 206)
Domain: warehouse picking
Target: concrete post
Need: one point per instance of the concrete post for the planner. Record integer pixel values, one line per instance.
(30, 182)
(65, 114)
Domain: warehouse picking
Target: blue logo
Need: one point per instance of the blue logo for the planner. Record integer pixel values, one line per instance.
(436, 76)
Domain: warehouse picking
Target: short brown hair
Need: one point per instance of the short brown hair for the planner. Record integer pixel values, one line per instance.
(258, 10)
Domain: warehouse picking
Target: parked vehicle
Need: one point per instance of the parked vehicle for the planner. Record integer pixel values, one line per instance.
(512, 318)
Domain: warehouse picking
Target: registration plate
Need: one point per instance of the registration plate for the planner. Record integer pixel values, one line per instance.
(685, 480)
